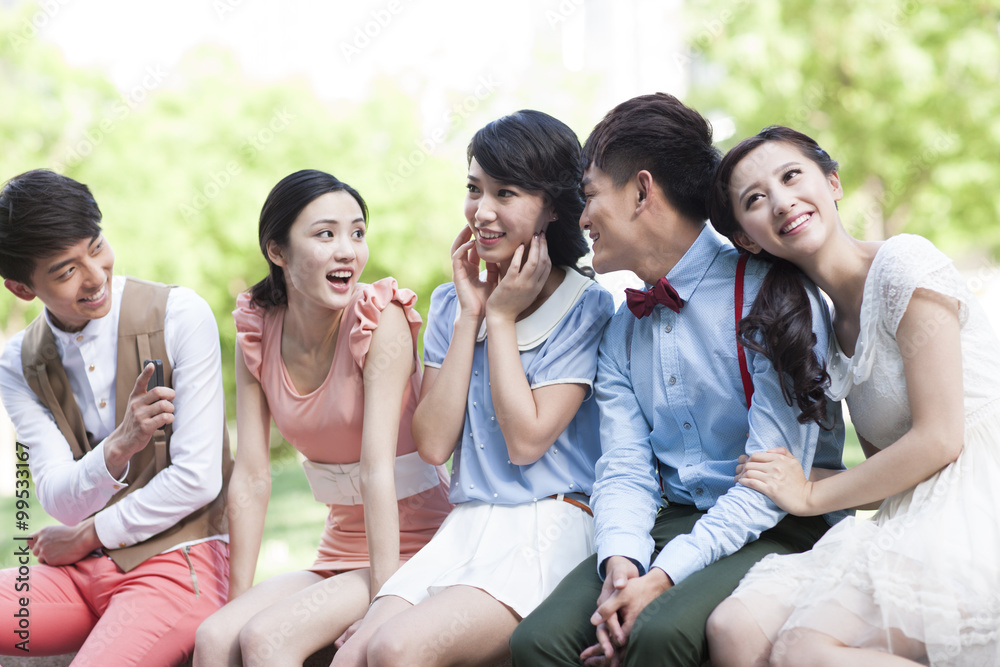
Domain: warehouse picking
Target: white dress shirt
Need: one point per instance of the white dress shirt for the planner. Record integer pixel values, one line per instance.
(72, 490)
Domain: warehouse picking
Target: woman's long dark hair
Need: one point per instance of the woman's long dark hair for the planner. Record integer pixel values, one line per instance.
(282, 206)
(534, 151)
(779, 324)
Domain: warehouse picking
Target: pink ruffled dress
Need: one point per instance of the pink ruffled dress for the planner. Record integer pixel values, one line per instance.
(326, 424)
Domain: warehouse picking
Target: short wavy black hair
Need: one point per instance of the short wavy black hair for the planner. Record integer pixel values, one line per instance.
(534, 151)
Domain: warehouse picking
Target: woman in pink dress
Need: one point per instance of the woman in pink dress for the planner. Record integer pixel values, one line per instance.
(312, 343)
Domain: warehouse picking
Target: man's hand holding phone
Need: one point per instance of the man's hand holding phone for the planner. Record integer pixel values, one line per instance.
(150, 408)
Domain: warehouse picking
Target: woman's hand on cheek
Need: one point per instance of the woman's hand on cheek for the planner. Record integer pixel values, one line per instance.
(472, 292)
(523, 281)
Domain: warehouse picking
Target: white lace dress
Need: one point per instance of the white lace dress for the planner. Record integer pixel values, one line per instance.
(922, 577)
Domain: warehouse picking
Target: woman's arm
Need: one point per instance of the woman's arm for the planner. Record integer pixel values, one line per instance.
(250, 485)
(385, 383)
(933, 374)
(530, 420)
(440, 415)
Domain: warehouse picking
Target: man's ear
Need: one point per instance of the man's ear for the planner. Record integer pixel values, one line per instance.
(644, 188)
(745, 242)
(274, 254)
(20, 290)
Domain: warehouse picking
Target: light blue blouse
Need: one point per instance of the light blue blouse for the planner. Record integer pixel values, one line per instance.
(558, 344)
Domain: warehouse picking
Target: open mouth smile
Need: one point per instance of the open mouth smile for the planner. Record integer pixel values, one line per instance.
(795, 223)
(97, 297)
(340, 279)
(488, 238)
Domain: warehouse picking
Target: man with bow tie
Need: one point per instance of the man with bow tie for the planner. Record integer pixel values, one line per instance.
(680, 401)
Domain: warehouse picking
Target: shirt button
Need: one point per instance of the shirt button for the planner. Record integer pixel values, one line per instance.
(509, 463)
(121, 544)
(91, 367)
(475, 404)
(495, 495)
(698, 492)
(472, 486)
(534, 500)
(672, 380)
(117, 486)
(104, 403)
(571, 485)
(668, 328)
(79, 339)
(475, 372)
(481, 445)
(687, 425)
(493, 419)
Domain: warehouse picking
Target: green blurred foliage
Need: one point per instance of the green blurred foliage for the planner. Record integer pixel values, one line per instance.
(905, 94)
(181, 164)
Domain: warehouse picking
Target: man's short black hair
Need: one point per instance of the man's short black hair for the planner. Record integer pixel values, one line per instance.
(41, 213)
(671, 141)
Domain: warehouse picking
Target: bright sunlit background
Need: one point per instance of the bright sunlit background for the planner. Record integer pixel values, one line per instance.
(182, 115)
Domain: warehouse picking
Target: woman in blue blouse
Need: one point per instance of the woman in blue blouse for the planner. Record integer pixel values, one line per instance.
(510, 356)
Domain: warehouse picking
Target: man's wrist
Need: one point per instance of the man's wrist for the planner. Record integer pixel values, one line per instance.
(88, 534)
(114, 460)
(659, 577)
(602, 568)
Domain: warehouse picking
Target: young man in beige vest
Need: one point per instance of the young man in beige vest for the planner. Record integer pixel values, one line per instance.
(135, 475)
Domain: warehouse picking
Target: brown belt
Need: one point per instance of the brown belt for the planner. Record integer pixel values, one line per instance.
(572, 501)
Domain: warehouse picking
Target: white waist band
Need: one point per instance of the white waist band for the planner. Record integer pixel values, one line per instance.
(340, 483)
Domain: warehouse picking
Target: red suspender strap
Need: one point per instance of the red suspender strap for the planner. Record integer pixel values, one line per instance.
(741, 268)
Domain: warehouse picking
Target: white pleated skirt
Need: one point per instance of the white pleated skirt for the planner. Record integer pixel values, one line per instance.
(515, 553)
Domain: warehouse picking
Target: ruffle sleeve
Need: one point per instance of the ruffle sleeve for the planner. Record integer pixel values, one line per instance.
(372, 301)
(249, 332)
(570, 353)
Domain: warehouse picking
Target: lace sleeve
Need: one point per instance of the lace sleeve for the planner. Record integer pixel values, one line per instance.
(912, 262)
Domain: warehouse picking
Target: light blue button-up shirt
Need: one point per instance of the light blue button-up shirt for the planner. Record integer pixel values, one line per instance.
(670, 392)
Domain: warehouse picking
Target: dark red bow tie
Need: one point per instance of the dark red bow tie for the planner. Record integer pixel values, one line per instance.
(642, 302)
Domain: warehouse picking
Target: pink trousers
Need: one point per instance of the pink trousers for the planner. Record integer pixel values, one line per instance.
(112, 618)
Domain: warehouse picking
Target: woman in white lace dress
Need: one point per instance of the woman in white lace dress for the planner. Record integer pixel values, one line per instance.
(919, 366)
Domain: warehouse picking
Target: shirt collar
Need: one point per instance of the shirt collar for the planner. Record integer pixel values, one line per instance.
(534, 329)
(692, 267)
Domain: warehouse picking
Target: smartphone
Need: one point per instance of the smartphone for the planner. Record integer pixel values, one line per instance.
(157, 379)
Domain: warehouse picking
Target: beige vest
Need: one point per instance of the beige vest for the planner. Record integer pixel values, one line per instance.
(140, 336)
